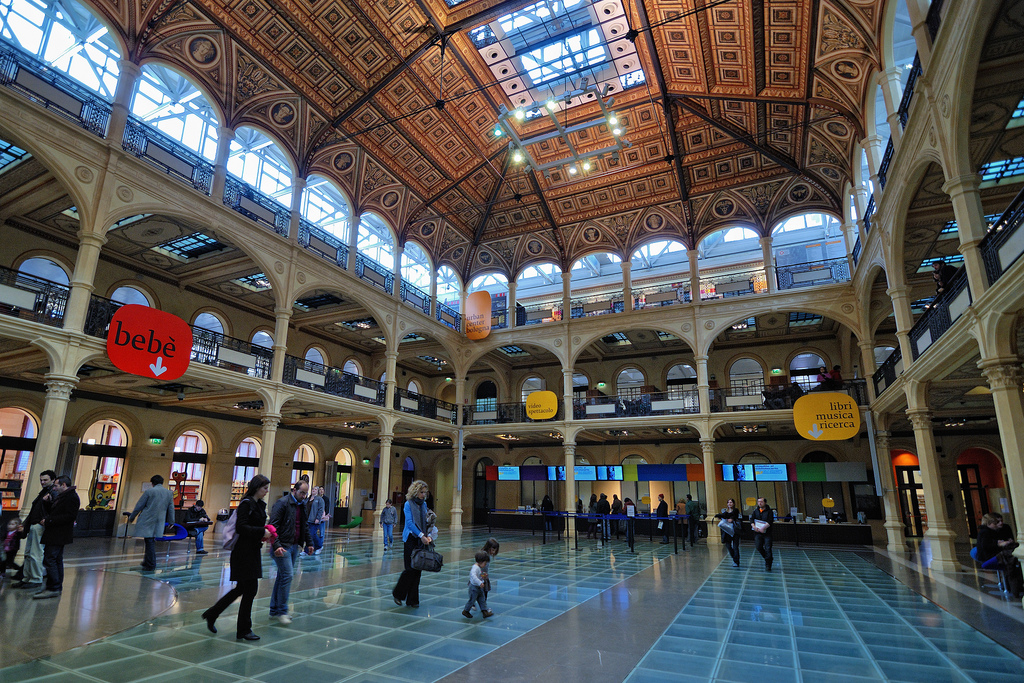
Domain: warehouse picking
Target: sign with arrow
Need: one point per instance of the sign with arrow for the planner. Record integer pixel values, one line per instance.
(826, 416)
(150, 343)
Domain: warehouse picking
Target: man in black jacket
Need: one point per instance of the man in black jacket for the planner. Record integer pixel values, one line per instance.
(58, 531)
(31, 574)
(662, 522)
(604, 509)
(761, 522)
(288, 517)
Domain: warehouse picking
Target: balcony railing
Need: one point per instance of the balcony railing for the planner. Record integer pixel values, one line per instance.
(733, 284)
(299, 372)
(169, 155)
(98, 316)
(599, 304)
(934, 18)
(943, 311)
(424, 406)
(602, 407)
(449, 316)
(661, 295)
(502, 413)
(868, 213)
(813, 273)
(675, 402)
(857, 246)
(415, 297)
(53, 90)
(532, 314)
(1004, 243)
(237, 355)
(256, 206)
(374, 273)
(883, 168)
(32, 298)
(760, 397)
(323, 244)
(908, 91)
(888, 371)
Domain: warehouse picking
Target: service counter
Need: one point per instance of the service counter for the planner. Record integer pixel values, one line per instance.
(525, 521)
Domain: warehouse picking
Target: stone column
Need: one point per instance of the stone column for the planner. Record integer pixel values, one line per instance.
(703, 384)
(918, 11)
(867, 364)
(82, 280)
(707, 447)
(269, 441)
(225, 136)
(390, 381)
(872, 144)
(895, 538)
(460, 400)
(971, 226)
(397, 273)
(566, 295)
(567, 393)
(383, 485)
(939, 534)
(433, 297)
(569, 504)
(1004, 378)
(353, 241)
(456, 511)
(892, 94)
(627, 286)
(511, 303)
(298, 187)
(691, 254)
(51, 428)
(769, 265)
(120, 108)
(904, 319)
(281, 318)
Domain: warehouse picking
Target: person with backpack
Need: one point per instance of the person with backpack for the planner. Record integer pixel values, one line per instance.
(245, 540)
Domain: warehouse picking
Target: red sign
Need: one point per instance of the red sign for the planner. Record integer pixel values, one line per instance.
(150, 343)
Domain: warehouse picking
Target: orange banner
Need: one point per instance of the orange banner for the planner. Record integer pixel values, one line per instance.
(478, 315)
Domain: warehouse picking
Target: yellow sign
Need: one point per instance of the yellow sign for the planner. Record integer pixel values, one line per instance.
(828, 503)
(826, 416)
(478, 315)
(646, 500)
(751, 502)
(541, 405)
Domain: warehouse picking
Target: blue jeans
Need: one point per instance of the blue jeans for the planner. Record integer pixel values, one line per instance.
(389, 539)
(477, 596)
(323, 534)
(283, 584)
(199, 539)
(314, 533)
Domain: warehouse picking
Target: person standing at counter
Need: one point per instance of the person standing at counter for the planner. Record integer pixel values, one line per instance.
(761, 522)
(155, 510)
(661, 514)
(414, 535)
(693, 516)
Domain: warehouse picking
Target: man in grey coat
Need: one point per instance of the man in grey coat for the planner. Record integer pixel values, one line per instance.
(316, 513)
(155, 510)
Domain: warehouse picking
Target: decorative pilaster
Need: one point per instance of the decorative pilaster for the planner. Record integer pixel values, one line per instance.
(569, 504)
(1004, 379)
(971, 226)
(383, 484)
(627, 286)
(707, 447)
(225, 136)
(894, 533)
(51, 428)
(703, 384)
(281, 318)
(769, 265)
(298, 187)
(691, 255)
(939, 534)
(904, 320)
(268, 437)
(457, 488)
(511, 304)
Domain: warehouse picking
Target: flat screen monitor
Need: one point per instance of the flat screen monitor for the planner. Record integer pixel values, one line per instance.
(609, 472)
(771, 472)
(556, 473)
(585, 473)
(508, 473)
(738, 472)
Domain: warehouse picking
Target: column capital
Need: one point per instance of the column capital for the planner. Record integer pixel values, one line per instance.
(901, 291)
(625, 265)
(969, 182)
(280, 313)
(386, 440)
(567, 276)
(767, 239)
(866, 344)
(225, 133)
(569, 447)
(271, 421)
(882, 441)
(920, 418)
(127, 67)
(707, 446)
(60, 387)
(1002, 375)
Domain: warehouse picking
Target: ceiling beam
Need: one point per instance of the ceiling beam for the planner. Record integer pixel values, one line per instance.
(659, 74)
(489, 14)
(490, 203)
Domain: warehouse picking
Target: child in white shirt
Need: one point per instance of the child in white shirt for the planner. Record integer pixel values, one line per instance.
(477, 576)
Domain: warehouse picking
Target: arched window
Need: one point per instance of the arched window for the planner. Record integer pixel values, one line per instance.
(539, 280)
(629, 382)
(325, 205)
(414, 387)
(130, 295)
(580, 384)
(303, 462)
(746, 372)
(496, 285)
(264, 339)
(807, 238)
(904, 47)
(693, 487)
(209, 321)
(755, 489)
(803, 369)
(247, 466)
(375, 241)
(532, 384)
(817, 492)
(259, 162)
(487, 396)
(168, 101)
(100, 461)
(449, 289)
(637, 490)
(663, 258)
(342, 492)
(729, 245)
(352, 367)
(315, 355)
(190, 453)
(681, 384)
(882, 353)
(46, 269)
(595, 270)
(67, 36)
(532, 493)
(416, 267)
(18, 423)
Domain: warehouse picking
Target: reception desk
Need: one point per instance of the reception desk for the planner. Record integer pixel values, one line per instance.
(814, 533)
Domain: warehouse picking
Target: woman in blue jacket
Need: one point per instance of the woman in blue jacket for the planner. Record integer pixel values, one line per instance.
(414, 534)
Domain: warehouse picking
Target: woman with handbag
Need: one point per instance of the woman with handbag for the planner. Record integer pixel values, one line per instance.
(730, 526)
(246, 564)
(414, 534)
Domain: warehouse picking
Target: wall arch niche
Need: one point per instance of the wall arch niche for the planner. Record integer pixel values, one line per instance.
(483, 490)
(750, 491)
(303, 463)
(815, 492)
(100, 463)
(532, 492)
(247, 466)
(188, 467)
(910, 491)
(636, 490)
(981, 485)
(18, 430)
(340, 490)
(694, 487)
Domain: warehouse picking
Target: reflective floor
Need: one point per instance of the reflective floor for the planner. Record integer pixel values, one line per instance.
(561, 614)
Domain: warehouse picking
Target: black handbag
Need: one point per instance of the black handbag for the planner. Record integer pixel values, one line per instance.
(425, 558)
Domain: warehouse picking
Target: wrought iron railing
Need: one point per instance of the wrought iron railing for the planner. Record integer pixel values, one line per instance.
(735, 399)
(256, 206)
(322, 243)
(374, 273)
(502, 413)
(532, 314)
(499, 313)
(98, 316)
(306, 374)
(53, 90)
(661, 295)
(237, 355)
(599, 304)
(449, 316)
(943, 311)
(675, 402)
(888, 371)
(934, 18)
(812, 273)
(424, 406)
(170, 156)
(1002, 246)
(415, 297)
(883, 168)
(908, 91)
(869, 212)
(602, 407)
(857, 246)
(733, 284)
(32, 298)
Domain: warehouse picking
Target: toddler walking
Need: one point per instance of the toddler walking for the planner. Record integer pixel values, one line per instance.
(11, 545)
(477, 577)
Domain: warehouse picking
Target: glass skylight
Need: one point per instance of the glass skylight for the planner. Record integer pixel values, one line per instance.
(256, 281)
(169, 102)
(996, 171)
(10, 154)
(257, 161)
(192, 246)
(325, 205)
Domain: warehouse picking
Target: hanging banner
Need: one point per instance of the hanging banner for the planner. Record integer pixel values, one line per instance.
(541, 405)
(150, 343)
(478, 315)
(826, 416)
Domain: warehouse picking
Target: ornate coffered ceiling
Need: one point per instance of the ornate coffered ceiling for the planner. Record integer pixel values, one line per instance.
(748, 111)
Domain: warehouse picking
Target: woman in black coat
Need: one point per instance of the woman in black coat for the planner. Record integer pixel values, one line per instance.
(246, 565)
